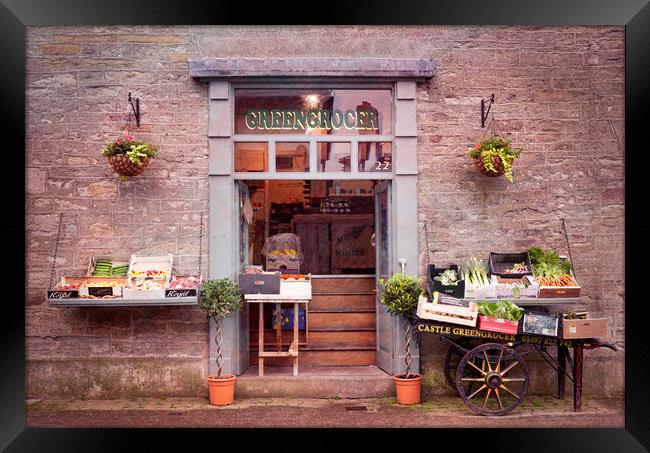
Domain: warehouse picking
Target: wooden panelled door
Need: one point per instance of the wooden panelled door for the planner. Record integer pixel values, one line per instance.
(385, 325)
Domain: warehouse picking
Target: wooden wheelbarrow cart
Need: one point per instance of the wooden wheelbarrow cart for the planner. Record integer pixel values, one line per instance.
(488, 370)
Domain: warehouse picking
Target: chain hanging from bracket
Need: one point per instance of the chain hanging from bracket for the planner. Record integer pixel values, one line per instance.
(56, 249)
(568, 246)
(201, 243)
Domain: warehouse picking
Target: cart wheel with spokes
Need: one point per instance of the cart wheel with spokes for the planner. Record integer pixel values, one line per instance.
(452, 359)
(492, 379)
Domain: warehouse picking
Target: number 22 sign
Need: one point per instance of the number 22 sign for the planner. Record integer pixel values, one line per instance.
(382, 166)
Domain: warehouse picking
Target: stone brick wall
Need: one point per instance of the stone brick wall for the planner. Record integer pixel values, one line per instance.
(559, 93)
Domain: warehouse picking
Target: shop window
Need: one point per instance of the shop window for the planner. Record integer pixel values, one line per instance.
(375, 157)
(251, 157)
(313, 112)
(334, 157)
(292, 156)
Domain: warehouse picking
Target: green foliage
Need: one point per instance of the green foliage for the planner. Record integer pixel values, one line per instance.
(135, 150)
(548, 263)
(504, 309)
(220, 298)
(401, 294)
(496, 146)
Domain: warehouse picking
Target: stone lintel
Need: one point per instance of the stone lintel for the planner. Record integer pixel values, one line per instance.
(388, 68)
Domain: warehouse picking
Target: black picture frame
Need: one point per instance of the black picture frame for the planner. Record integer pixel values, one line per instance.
(634, 14)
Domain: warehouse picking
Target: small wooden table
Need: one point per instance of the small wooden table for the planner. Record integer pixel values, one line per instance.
(295, 293)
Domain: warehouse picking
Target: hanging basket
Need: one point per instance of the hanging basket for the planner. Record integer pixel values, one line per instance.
(496, 161)
(124, 167)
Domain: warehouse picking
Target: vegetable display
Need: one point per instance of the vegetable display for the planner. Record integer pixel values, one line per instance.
(504, 309)
(518, 268)
(475, 271)
(448, 278)
(549, 269)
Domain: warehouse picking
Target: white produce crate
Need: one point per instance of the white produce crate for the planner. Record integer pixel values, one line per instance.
(506, 292)
(485, 292)
(145, 263)
(131, 293)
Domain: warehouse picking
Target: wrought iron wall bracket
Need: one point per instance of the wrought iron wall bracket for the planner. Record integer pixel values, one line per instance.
(135, 105)
(485, 114)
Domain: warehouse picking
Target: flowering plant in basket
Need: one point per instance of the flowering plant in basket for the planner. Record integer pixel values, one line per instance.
(494, 156)
(128, 156)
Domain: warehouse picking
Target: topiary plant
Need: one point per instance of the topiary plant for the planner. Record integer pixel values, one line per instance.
(400, 296)
(219, 299)
(494, 156)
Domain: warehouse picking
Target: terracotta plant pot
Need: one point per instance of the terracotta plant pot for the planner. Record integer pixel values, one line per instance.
(408, 390)
(124, 167)
(496, 161)
(222, 391)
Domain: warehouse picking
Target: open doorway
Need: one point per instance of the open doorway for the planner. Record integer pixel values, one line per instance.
(335, 222)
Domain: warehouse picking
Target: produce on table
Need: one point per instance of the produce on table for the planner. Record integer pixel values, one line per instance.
(184, 282)
(448, 278)
(562, 280)
(280, 252)
(253, 270)
(504, 309)
(549, 269)
(475, 272)
(518, 268)
(144, 284)
(113, 284)
(67, 287)
(292, 277)
(105, 268)
(149, 273)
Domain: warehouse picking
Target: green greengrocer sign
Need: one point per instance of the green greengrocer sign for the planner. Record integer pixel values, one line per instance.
(288, 119)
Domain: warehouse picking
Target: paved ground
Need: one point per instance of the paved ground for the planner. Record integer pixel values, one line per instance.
(535, 411)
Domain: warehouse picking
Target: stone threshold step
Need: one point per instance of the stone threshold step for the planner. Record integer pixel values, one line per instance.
(316, 382)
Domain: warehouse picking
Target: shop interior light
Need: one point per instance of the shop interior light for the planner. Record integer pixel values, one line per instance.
(312, 100)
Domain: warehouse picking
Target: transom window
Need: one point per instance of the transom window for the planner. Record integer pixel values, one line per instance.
(313, 131)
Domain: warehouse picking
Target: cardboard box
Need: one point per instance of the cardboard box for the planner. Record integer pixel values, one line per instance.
(584, 328)
(452, 314)
(498, 325)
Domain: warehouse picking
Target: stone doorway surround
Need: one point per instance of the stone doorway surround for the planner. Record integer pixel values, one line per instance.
(223, 74)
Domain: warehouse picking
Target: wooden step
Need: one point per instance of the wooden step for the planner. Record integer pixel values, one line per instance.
(347, 321)
(332, 301)
(325, 358)
(320, 340)
(342, 285)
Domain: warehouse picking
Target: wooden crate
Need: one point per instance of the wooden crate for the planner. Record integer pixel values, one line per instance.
(452, 314)
(559, 291)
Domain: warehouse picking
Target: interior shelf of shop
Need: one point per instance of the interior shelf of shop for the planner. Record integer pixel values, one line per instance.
(123, 302)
